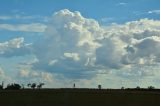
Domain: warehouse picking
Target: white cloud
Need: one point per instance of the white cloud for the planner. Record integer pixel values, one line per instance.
(53, 62)
(73, 56)
(24, 73)
(5, 17)
(111, 52)
(121, 4)
(34, 27)
(154, 12)
(47, 77)
(14, 47)
(136, 43)
(20, 17)
(36, 76)
(70, 39)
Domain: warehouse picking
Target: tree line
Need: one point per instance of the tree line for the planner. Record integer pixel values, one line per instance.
(139, 88)
(16, 86)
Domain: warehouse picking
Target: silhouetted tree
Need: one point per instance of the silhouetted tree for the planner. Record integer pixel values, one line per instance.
(151, 87)
(39, 86)
(99, 87)
(33, 85)
(29, 85)
(138, 87)
(122, 87)
(13, 86)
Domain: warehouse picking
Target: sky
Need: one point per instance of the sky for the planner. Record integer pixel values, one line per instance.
(114, 43)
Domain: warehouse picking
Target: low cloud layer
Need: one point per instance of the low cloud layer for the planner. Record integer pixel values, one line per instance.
(35, 76)
(33, 27)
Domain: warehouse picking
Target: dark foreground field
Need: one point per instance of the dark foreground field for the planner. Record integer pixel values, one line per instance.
(79, 97)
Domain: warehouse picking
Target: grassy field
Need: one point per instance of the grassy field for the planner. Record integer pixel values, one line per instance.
(79, 97)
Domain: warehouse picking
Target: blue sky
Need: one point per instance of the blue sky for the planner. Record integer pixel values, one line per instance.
(107, 46)
(122, 10)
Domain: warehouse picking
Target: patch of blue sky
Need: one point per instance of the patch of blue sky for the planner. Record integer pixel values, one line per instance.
(96, 9)
(29, 37)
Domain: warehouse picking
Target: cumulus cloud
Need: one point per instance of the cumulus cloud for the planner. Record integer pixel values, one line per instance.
(34, 27)
(14, 47)
(76, 47)
(110, 53)
(137, 46)
(146, 46)
(70, 39)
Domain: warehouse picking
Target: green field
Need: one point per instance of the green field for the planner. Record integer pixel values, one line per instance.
(79, 97)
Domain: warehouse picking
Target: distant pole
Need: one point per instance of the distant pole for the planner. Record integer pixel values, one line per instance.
(2, 84)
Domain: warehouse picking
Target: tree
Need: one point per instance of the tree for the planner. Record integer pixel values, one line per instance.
(33, 85)
(138, 87)
(39, 86)
(151, 87)
(29, 85)
(13, 86)
(99, 87)
(122, 87)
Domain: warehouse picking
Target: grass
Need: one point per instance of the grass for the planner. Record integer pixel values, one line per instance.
(79, 97)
